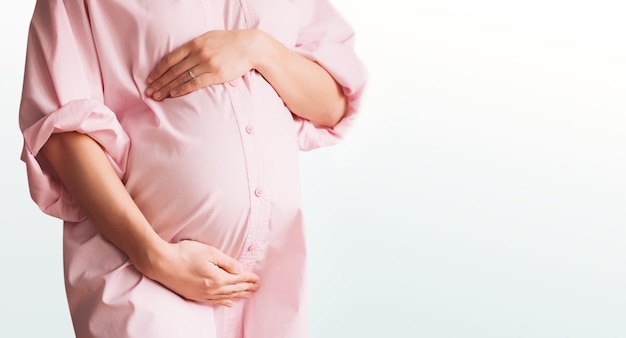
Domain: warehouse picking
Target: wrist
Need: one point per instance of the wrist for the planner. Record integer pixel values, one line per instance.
(266, 51)
(148, 256)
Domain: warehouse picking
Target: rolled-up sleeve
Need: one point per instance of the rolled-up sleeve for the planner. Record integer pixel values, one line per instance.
(62, 92)
(326, 38)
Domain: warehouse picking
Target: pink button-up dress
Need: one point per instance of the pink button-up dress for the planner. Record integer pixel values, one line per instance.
(219, 165)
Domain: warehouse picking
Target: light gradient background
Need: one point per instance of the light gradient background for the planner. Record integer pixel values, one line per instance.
(482, 194)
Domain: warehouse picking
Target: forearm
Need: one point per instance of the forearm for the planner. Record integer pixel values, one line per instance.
(85, 171)
(307, 89)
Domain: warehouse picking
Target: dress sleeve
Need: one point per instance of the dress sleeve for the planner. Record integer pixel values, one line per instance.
(62, 92)
(326, 38)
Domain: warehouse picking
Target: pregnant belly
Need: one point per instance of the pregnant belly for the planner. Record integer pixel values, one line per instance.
(187, 173)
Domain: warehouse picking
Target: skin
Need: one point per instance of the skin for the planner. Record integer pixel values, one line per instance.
(191, 269)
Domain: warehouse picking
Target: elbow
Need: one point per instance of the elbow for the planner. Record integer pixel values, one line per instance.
(335, 113)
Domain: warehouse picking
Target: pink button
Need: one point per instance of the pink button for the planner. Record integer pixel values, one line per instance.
(250, 129)
(258, 192)
(233, 83)
(252, 247)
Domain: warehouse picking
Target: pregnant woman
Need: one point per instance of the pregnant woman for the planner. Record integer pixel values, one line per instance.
(165, 134)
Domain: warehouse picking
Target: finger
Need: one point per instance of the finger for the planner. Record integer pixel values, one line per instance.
(204, 80)
(223, 260)
(169, 60)
(232, 289)
(173, 77)
(232, 296)
(187, 83)
(244, 277)
(227, 278)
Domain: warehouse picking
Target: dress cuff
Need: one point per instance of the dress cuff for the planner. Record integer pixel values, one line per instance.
(88, 116)
(343, 65)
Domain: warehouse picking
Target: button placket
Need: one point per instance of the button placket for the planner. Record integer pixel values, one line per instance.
(256, 233)
(258, 192)
(242, 109)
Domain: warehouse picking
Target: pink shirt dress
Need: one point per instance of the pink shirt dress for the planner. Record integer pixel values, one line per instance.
(219, 165)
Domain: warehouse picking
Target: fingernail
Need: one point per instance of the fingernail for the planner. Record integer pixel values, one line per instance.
(157, 95)
(174, 92)
(149, 91)
(150, 79)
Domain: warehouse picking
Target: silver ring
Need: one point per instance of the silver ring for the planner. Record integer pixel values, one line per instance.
(191, 75)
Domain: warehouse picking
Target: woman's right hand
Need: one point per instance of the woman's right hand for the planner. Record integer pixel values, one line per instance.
(202, 273)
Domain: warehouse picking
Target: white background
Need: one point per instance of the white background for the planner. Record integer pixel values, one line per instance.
(482, 194)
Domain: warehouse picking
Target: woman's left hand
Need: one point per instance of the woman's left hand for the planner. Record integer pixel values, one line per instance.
(214, 57)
